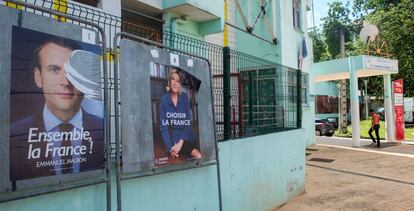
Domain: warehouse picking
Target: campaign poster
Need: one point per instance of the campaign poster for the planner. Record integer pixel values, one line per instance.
(56, 106)
(174, 115)
(399, 109)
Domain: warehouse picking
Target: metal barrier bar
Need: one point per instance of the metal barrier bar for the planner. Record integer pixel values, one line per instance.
(226, 93)
(117, 137)
(106, 105)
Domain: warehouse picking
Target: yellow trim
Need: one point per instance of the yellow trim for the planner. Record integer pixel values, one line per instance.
(12, 5)
(226, 28)
(61, 6)
(109, 56)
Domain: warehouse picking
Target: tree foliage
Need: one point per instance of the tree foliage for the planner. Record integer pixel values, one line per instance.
(395, 20)
(338, 19)
(326, 43)
(320, 52)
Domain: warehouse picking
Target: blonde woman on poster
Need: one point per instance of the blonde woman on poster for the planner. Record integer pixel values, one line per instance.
(176, 128)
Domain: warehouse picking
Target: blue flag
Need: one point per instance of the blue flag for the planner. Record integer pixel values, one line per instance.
(304, 50)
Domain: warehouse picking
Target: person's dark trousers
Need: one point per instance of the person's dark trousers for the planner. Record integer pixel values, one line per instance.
(376, 128)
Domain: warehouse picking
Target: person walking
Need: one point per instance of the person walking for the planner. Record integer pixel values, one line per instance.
(375, 126)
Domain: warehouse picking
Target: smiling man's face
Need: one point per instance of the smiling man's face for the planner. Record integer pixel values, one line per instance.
(60, 95)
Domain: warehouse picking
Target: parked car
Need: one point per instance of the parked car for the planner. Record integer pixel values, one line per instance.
(333, 121)
(323, 127)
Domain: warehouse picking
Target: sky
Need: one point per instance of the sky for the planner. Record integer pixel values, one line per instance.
(321, 10)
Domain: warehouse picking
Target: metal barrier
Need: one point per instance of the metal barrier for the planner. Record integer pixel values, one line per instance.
(119, 175)
(110, 24)
(44, 11)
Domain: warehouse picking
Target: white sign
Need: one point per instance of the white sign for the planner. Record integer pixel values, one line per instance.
(378, 63)
(154, 53)
(190, 63)
(399, 99)
(174, 59)
(88, 36)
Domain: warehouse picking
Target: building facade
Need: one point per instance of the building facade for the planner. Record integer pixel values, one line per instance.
(261, 155)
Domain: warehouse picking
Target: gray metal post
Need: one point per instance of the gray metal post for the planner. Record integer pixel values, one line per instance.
(343, 99)
(226, 92)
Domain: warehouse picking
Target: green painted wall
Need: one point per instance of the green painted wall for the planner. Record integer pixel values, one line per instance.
(194, 189)
(215, 7)
(252, 45)
(87, 198)
(257, 173)
(326, 88)
(174, 22)
(263, 172)
(308, 122)
(291, 37)
(210, 27)
(190, 27)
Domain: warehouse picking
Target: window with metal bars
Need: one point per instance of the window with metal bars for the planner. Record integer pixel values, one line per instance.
(269, 99)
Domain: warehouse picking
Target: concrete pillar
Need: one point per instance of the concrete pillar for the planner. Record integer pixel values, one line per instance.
(112, 7)
(389, 120)
(353, 84)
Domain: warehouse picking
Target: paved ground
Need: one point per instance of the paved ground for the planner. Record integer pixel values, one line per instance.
(363, 178)
(407, 148)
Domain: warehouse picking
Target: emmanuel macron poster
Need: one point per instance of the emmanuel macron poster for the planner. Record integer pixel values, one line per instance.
(56, 106)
